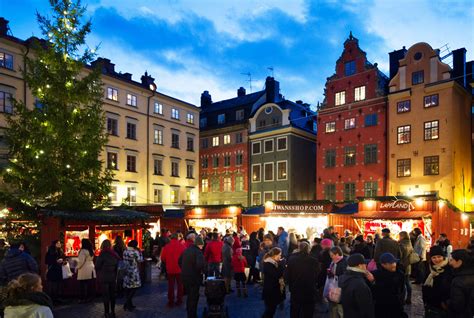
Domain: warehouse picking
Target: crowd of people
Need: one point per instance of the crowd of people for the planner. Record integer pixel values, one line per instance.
(344, 276)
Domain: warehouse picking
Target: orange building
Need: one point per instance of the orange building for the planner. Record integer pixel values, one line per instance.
(429, 127)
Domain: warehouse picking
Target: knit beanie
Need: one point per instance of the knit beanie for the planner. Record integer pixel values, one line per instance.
(198, 241)
(327, 243)
(437, 250)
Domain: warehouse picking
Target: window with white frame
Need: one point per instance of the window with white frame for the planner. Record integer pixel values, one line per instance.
(131, 194)
(267, 196)
(239, 158)
(350, 123)
(174, 194)
(282, 170)
(256, 148)
(268, 146)
(331, 127)
(158, 194)
(282, 143)
(113, 193)
(158, 166)
(112, 93)
(131, 100)
(112, 160)
(158, 135)
(256, 173)
(175, 168)
(215, 184)
(112, 125)
(131, 130)
(158, 108)
(340, 98)
(215, 141)
(6, 105)
(268, 169)
(190, 143)
(175, 113)
(6, 60)
(131, 163)
(175, 140)
(205, 185)
(189, 196)
(282, 195)
(256, 198)
(227, 184)
(190, 118)
(226, 139)
(359, 93)
(239, 114)
(239, 138)
(221, 119)
(239, 183)
(190, 170)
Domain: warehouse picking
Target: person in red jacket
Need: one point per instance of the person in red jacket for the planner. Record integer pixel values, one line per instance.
(237, 243)
(170, 256)
(239, 262)
(213, 256)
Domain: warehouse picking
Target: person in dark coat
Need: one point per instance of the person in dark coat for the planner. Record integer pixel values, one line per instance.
(356, 296)
(273, 287)
(302, 276)
(55, 259)
(119, 247)
(254, 245)
(227, 262)
(437, 284)
(386, 245)
(371, 245)
(406, 250)
(15, 263)
(388, 288)
(192, 269)
(336, 269)
(461, 302)
(316, 248)
(361, 247)
(325, 261)
(106, 266)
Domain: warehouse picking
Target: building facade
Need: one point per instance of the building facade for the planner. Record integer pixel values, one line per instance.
(351, 142)
(153, 138)
(429, 128)
(223, 153)
(282, 139)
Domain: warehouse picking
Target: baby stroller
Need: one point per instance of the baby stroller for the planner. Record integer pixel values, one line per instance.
(215, 292)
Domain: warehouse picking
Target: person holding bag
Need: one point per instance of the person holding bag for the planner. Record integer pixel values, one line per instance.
(332, 291)
(85, 270)
(272, 287)
(107, 266)
(407, 258)
(131, 280)
(55, 259)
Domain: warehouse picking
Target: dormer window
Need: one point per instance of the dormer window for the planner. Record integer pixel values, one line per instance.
(349, 68)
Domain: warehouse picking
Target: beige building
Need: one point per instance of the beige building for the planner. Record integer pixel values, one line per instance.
(153, 138)
(429, 142)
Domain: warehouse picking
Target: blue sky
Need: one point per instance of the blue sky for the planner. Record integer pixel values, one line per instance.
(195, 45)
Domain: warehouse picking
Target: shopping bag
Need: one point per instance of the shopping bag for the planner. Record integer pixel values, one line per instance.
(372, 266)
(331, 283)
(335, 292)
(67, 273)
(413, 258)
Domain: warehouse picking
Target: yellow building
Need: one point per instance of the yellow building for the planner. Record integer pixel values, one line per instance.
(429, 128)
(153, 138)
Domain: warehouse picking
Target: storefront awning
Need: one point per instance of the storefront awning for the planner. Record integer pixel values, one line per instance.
(254, 210)
(174, 213)
(391, 215)
(349, 208)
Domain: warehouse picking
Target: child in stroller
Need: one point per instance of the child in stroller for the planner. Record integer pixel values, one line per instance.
(215, 292)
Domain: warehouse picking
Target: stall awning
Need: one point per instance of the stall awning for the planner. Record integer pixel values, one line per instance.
(174, 213)
(350, 208)
(391, 215)
(99, 216)
(254, 210)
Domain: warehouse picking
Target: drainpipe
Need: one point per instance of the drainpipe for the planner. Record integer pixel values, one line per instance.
(153, 89)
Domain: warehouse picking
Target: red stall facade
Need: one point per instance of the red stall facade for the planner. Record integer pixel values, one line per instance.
(221, 217)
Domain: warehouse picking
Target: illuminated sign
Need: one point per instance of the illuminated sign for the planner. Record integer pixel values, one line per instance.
(298, 208)
(397, 205)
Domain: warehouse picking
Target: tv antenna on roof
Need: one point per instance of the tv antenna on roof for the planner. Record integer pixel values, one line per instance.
(249, 80)
(270, 68)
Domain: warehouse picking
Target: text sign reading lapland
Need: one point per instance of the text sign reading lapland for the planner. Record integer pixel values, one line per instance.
(397, 205)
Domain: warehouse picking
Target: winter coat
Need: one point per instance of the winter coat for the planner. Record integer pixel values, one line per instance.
(55, 270)
(356, 296)
(461, 302)
(213, 252)
(34, 305)
(345, 249)
(227, 260)
(283, 243)
(16, 263)
(237, 243)
(316, 251)
(119, 250)
(107, 266)
(388, 291)
(192, 264)
(271, 283)
(325, 261)
(440, 292)
(362, 248)
(131, 278)
(406, 249)
(341, 267)
(386, 245)
(85, 266)
(170, 256)
(261, 254)
(238, 264)
(420, 247)
(302, 276)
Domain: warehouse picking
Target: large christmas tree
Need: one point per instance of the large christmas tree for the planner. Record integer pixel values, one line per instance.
(55, 144)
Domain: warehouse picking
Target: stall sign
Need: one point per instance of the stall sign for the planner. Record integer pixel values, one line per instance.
(298, 208)
(396, 205)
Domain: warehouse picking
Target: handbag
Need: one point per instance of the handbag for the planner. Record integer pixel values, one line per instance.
(413, 258)
(66, 269)
(372, 266)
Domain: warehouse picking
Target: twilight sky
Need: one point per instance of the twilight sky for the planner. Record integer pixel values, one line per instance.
(195, 45)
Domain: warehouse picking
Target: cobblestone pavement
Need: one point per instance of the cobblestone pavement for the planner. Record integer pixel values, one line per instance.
(151, 302)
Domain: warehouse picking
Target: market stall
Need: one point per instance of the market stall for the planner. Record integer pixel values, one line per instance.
(306, 218)
(221, 217)
(432, 215)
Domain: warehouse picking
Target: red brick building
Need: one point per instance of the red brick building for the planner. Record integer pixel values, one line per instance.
(351, 141)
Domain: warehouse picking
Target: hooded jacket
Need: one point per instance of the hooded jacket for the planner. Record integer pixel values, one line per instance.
(213, 251)
(16, 263)
(171, 254)
(356, 297)
(461, 302)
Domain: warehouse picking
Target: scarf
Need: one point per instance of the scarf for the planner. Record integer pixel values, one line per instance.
(356, 269)
(271, 260)
(435, 270)
(332, 267)
(39, 298)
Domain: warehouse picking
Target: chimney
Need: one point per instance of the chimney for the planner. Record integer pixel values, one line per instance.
(3, 26)
(148, 81)
(459, 66)
(241, 92)
(127, 76)
(272, 89)
(206, 99)
(395, 57)
(105, 64)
